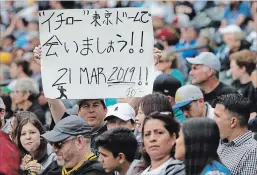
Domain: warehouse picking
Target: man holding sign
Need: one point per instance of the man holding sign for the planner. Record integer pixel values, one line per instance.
(125, 46)
(93, 111)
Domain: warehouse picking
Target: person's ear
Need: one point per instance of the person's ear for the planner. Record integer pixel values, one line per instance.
(211, 72)
(80, 141)
(121, 158)
(201, 101)
(19, 68)
(244, 69)
(171, 100)
(233, 122)
(26, 95)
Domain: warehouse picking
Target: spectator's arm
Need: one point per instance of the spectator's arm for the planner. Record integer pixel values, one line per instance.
(240, 20)
(223, 23)
(254, 78)
(56, 106)
(57, 109)
(10, 29)
(225, 17)
(244, 12)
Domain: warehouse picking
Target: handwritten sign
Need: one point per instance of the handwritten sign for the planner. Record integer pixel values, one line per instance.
(96, 53)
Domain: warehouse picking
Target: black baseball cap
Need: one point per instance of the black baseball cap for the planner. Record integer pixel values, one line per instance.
(166, 84)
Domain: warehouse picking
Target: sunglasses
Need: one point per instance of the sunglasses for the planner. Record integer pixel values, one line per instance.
(60, 144)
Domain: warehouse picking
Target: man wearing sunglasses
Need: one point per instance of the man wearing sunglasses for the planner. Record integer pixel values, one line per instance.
(190, 100)
(71, 138)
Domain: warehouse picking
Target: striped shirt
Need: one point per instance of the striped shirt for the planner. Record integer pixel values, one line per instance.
(240, 155)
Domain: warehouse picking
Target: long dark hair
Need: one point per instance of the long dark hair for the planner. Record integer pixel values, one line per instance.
(170, 124)
(18, 116)
(41, 151)
(201, 137)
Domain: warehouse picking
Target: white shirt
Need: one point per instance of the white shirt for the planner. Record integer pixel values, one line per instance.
(210, 112)
(159, 170)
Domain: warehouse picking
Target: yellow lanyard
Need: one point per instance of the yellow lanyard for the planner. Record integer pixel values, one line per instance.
(65, 172)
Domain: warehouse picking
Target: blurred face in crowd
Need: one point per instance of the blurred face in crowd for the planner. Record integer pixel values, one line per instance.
(14, 70)
(188, 34)
(163, 65)
(7, 42)
(93, 112)
(42, 100)
(20, 24)
(157, 140)
(231, 41)
(30, 138)
(109, 162)
(235, 70)
(140, 118)
(68, 151)
(199, 73)
(33, 26)
(19, 96)
(115, 122)
(180, 146)
(12, 125)
(17, 54)
(223, 120)
(193, 109)
(2, 113)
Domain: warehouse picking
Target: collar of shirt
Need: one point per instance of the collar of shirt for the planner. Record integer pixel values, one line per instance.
(239, 140)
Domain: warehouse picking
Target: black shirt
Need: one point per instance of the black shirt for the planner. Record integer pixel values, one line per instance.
(221, 89)
(248, 91)
(95, 135)
(90, 167)
(38, 111)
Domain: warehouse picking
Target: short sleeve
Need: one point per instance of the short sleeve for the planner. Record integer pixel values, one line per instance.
(244, 9)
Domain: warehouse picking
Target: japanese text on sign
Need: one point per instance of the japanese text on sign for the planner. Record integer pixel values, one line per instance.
(96, 53)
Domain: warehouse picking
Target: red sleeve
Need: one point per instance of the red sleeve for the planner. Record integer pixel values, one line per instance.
(9, 156)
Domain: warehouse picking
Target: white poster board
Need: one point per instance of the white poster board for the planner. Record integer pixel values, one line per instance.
(96, 53)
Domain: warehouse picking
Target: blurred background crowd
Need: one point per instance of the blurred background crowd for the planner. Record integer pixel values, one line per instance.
(182, 29)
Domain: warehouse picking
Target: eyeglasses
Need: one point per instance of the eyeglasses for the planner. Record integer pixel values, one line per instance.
(60, 144)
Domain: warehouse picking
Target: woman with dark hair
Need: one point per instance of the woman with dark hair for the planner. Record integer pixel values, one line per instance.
(160, 131)
(150, 103)
(197, 147)
(37, 153)
(15, 120)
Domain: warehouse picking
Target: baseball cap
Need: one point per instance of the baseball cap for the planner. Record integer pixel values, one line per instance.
(164, 34)
(230, 29)
(2, 105)
(10, 87)
(72, 125)
(80, 101)
(186, 94)
(166, 84)
(207, 59)
(122, 111)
